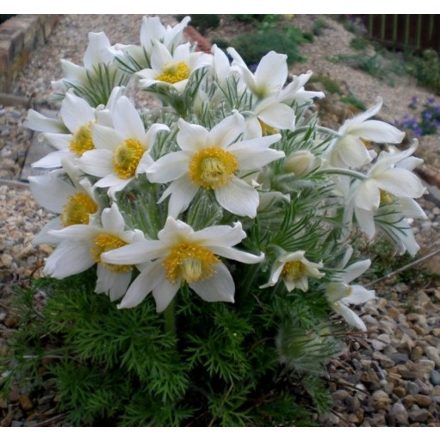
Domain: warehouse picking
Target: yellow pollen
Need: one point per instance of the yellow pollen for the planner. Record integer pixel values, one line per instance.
(212, 167)
(82, 140)
(189, 262)
(105, 242)
(385, 198)
(126, 158)
(294, 270)
(174, 73)
(368, 144)
(267, 129)
(77, 210)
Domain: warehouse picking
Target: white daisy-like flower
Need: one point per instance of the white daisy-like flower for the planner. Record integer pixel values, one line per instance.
(270, 74)
(99, 51)
(212, 160)
(295, 270)
(341, 294)
(81, 246)
(349, 150)
(121, 152)
(67, 193)
(71, 133)
(182, 255)
(172, 69)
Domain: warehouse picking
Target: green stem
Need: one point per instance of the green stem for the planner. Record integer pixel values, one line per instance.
(170, 318)
(343, 172)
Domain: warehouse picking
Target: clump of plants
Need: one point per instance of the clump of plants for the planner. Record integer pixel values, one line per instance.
(426, 69)
(428, 121)
(203, 269)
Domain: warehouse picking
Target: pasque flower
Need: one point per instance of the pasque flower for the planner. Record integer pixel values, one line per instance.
(182, 255)
(81, 246)
(212, 160)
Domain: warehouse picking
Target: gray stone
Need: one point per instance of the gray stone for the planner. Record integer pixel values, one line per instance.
(435, 377)
(399, 414)
(412, 388)
(398, 358)
(418, 415)
(381, 400)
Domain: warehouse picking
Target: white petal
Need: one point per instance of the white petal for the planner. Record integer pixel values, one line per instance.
(238, 197)
(164, 293)
(378, 131)
(73, 72)
(112, 219)
(410, 208)
(278, 115)
(182, 192)
(76, 112)
(96, 162)
(271, 72)
(349, 151)
(126, 119)
(51, 160)
(368, 113)
(44, 237)
(51, 191)
(98, 50)
(234, 254)
(160, 56)
(174, 231)
(170, 167)
(368, 196)
(112, 181)
(77, 232)
(365, 221)
(151, 29)
(145, 282)
(401, 183)
(59, 141)
(69, 258)
(219, 287)
(139, 252)
(227, 131)
(351, 317)
(114, 284)
(359, 295)
(150, 136)
(355, 270)
(275, 275)
(38, 122)
(192, 137)
(221, 235)
(106, 138)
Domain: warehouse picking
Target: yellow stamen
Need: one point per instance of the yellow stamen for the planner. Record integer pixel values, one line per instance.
(126, 158)
(174, 73)
(267, 130)
(82, 140)
(77, 210)
(385, 198)
(105, 242)
(212, 167)
(294, 270)
(190, 262)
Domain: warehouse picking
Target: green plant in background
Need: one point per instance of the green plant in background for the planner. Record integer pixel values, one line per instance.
(354, 102)
(203, 22)
(319, 24)
(426, 69)
(359, 43)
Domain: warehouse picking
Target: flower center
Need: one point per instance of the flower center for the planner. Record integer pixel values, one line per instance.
(173, 73)
(126, 158)
(267, 130)
(82, 140)
(190, 262)
(294, 270)
(105, 242)
(385, 197)
(212, 167)
(77, 210)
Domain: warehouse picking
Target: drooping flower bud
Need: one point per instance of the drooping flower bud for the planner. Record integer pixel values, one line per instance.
(299, 162)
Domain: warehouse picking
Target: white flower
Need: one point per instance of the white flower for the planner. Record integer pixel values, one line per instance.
(294, 269)
(121, 152)
(183, 255)
(294, 92)
(299, 162)
(71, 134)
(99, 51)
(340, 294)
(270, 75)
(172, 69)
(349, 149)
(65, 192)
(153, 30)
(81, 247)
(212, 160)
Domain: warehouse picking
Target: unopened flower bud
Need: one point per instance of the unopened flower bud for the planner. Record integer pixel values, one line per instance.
(299, 162)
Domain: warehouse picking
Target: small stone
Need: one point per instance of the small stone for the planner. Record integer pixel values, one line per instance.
(412, 388)
(416, 353)
(436, 332)
(16, 424)
(433, 353)
(408, 401)
(11, 321)
(399, 358)
(399, 414)
(384, 338)
(406, 342)
(418, 415)
(435, 377)
(381, 400)
(25, 402)
(340, 394)
(377, 419)
(425, 366)
(393, 313)
(6, 260)
(385, 361)
(2, 316)
(425, 387)
(378, 345)
(400, 391)
(423, 401)
(422, 298)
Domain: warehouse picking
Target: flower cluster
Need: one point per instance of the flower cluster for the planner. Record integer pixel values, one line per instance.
(231, 168)
(428, 122)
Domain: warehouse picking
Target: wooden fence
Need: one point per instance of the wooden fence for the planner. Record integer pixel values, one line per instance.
(405, 32)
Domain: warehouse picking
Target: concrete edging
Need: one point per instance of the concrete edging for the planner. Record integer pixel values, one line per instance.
(19, 36)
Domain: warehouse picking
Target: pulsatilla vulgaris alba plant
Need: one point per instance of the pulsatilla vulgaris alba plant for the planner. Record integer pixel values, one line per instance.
(215, 223)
